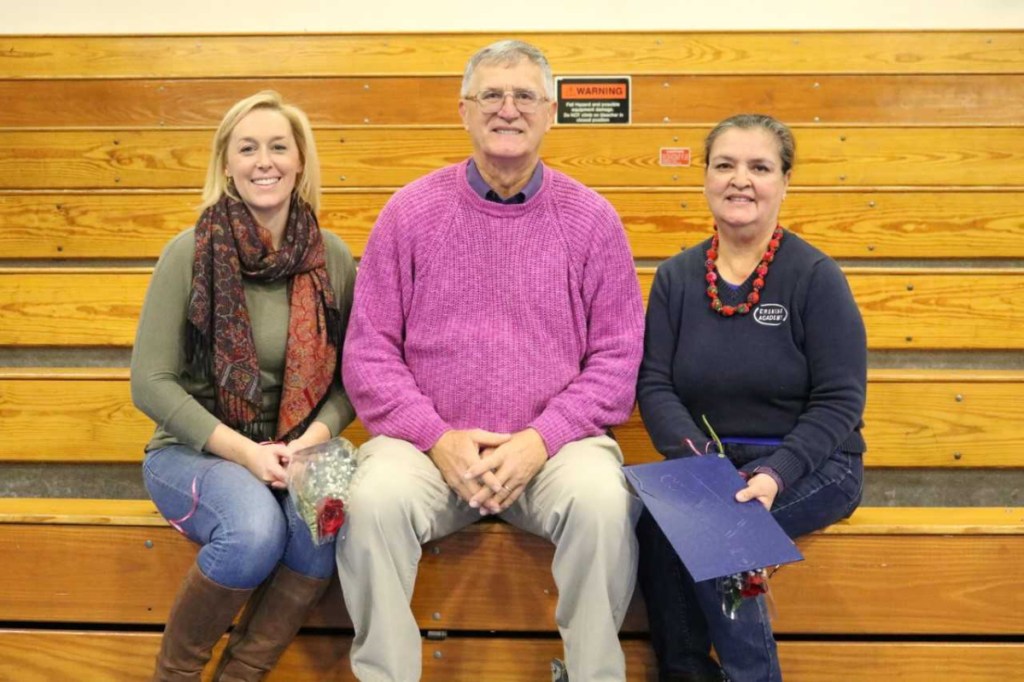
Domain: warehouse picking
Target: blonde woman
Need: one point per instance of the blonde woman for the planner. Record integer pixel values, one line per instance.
(236, 360)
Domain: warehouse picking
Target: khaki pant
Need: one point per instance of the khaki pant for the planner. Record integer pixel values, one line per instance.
(579, 501)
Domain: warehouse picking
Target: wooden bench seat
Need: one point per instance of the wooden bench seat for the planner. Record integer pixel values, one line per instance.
(117, 656)
(949, 570)
(883, 573)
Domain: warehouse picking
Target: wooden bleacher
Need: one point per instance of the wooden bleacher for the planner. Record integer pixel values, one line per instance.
(908, 164)
(904, 308)
(915, 418)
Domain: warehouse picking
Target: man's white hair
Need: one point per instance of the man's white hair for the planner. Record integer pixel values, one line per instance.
(508, 53)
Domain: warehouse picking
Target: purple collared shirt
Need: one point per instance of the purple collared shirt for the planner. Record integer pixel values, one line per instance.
(480, 186)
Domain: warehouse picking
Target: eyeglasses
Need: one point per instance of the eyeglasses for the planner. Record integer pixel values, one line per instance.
(491, 101)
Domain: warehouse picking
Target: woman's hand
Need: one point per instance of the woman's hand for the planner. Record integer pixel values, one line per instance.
(760, 487)
(267, 462)
(262, 460)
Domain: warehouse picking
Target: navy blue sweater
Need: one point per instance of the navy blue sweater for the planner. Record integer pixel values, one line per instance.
(793, 369)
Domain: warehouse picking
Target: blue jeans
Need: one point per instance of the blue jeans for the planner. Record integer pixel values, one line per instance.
(245, 528)
(686, 617)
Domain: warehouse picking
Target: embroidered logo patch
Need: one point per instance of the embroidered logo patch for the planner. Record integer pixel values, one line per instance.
(770, 314)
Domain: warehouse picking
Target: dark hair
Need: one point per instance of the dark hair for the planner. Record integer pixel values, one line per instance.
(783, 135)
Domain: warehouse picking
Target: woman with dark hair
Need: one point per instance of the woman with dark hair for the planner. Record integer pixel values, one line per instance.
(757, 332)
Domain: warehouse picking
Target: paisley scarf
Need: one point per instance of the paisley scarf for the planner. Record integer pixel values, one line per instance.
(231, 245)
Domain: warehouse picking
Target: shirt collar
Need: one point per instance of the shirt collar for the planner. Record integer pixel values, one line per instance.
(485, 191)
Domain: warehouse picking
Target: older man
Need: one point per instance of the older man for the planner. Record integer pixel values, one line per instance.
(495, 336)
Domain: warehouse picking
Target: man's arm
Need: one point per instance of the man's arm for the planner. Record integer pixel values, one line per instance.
(378, 380)
(602, 394)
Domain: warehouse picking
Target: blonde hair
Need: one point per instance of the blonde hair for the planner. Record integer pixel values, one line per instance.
(308, 182)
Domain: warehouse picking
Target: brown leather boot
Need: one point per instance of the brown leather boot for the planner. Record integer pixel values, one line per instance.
(201, 612)
(269, 624)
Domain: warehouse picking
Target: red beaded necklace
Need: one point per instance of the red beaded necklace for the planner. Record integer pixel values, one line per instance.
(762, 271)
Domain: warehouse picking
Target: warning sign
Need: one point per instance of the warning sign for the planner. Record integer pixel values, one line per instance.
(584, 100)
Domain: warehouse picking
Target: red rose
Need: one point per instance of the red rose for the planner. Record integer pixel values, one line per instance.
(753, 584)
(330, 516)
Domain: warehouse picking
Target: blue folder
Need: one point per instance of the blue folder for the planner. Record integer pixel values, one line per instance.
(693, 501)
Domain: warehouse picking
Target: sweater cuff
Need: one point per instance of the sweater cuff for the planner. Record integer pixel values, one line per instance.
(191, 424)
(774, 475)
(422, 430)
(555, 431)
(786, 465)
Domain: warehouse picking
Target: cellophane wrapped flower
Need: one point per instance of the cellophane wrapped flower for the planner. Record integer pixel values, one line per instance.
(739, 586)
(319, 478)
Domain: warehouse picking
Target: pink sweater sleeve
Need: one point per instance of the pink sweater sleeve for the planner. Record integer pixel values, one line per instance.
(603, 393)
(378, 380)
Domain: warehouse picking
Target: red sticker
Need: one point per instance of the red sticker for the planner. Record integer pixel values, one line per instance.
(674, 156)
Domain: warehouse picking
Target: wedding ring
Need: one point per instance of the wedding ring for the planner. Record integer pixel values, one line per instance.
(506, 487)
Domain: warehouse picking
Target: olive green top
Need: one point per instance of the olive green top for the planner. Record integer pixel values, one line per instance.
(181, 404)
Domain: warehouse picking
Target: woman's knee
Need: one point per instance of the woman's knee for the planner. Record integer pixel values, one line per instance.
(171, 476)
(245, 551)
(304, 553)
(249, 534)
(822, 498)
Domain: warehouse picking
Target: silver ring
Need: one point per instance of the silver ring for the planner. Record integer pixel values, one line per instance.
(506, 487)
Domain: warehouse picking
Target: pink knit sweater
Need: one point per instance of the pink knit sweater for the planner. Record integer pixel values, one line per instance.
(473, 314)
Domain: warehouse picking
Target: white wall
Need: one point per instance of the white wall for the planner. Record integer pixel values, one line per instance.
(263, 16)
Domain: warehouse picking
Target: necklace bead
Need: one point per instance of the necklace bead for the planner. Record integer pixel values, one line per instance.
(754, 296)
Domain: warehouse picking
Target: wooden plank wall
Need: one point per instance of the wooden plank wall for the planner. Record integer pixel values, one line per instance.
(908, 170)
(903, 308)
(908, 142)
(923, 419)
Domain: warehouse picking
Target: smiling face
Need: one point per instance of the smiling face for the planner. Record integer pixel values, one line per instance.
(744, 183)
(507, 136)
(263, 161)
